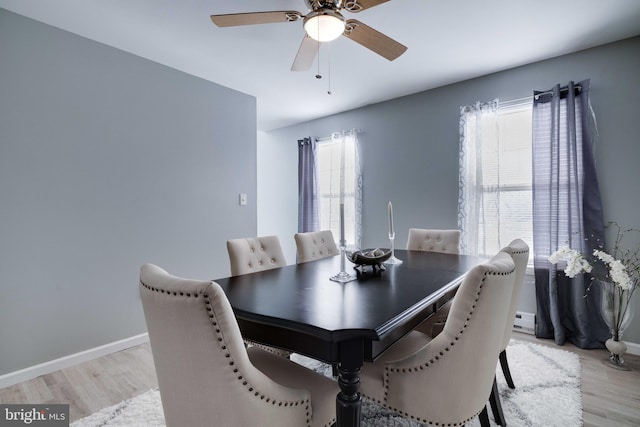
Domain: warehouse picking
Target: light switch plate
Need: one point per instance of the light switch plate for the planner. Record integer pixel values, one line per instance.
(243, 199)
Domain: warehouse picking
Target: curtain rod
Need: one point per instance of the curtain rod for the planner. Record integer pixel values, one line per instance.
(526, 100)
(326, 138)
(562, 89)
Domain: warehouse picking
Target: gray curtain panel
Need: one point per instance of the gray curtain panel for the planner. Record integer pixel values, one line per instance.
(567, 209)
(308, 219)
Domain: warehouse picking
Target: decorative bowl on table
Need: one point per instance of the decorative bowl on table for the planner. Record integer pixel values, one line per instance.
(369, 257)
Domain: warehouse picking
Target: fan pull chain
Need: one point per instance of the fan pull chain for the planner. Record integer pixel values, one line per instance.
(319, 76)
(329, 70)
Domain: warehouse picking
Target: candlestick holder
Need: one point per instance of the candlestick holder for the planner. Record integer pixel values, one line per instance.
(343, 276)
(392, 260)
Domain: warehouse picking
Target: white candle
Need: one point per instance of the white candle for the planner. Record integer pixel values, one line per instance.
(342, 178)
(342, 240)
(390, 219)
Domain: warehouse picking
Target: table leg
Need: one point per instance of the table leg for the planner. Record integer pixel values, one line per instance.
(348, 402)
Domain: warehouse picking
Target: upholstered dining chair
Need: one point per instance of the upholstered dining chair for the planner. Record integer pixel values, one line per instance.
(253, 254)
(206, 375)
(445, 241)
(519, 252)
(446, 381)
(315, 245)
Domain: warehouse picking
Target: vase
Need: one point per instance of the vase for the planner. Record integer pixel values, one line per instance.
(617, 311)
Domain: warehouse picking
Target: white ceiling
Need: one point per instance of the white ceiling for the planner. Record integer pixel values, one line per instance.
(447, 40)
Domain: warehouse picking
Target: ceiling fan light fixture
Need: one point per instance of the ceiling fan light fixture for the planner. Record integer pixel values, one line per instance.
(324, 25)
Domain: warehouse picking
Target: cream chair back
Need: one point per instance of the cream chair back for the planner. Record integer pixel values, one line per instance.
(445, 241)
(255, 254)
(315, 245)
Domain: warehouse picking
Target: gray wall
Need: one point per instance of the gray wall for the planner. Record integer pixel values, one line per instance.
(410, 147)
(107, 161)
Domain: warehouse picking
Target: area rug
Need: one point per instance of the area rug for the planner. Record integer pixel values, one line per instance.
(547, 394)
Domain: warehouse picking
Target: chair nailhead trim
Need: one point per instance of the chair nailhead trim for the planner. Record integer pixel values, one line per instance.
(223, 346)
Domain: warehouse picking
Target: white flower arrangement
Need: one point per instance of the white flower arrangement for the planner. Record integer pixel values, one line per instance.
(623, 271)
(576, 264)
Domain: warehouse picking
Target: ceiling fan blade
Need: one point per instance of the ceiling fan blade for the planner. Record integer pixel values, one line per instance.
(373, 40)
(356, 6)
(306, 54)
(235, 19)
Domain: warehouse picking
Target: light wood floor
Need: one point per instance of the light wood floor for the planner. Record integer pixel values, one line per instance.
(610, 398)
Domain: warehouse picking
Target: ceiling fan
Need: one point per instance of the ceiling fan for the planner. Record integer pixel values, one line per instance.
(322, 23)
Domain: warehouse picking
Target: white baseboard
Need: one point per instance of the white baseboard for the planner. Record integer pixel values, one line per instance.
(633, 348)
(31, 372)
(525, 322)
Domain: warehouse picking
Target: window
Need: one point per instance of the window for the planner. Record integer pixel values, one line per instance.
(329, 155)
(498, 186)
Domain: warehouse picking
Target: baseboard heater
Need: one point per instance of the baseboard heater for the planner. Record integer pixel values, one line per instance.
(525, 322)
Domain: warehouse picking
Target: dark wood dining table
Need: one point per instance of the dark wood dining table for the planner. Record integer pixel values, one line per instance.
(299, 308)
